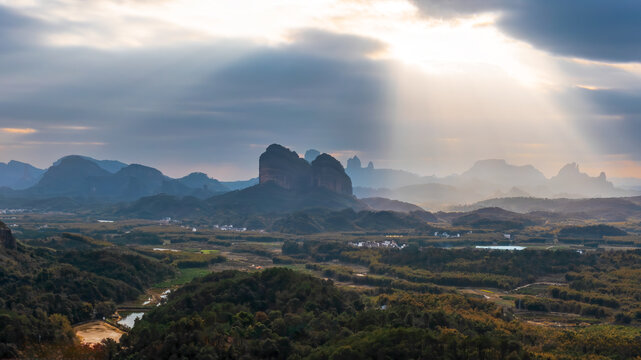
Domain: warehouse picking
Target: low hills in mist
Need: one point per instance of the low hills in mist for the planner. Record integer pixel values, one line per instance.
(486, 179)
(602, 209)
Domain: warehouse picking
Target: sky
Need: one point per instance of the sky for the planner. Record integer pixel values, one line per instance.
(429, 86)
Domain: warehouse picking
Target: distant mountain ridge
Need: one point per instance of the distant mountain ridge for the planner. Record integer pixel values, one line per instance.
(288, 183)
(82, 177)
(197, 180)
(604, 209)
(112, 166)
(78, 177)
(18, 175)
(486, 179)
(493, 178)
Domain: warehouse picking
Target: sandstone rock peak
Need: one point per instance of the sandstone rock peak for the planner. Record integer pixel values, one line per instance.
(286, 169)
(329, 173)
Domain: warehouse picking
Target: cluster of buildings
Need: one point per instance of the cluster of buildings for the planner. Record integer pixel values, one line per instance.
(12, 211)
(229, 228)
(445, 235)
(167, 221)
(375, 244)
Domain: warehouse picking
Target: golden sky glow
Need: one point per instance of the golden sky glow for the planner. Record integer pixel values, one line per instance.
(18, 130)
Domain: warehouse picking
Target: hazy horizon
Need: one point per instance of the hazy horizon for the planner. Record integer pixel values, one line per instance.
(426, 86)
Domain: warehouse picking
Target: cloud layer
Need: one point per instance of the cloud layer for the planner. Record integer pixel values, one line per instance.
(186, 106)
(350, 78)
(591, 29)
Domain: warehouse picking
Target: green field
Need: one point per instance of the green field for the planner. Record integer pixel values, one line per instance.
(209, 251)
(184, 276)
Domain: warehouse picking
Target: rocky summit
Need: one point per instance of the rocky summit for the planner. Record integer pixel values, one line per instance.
(329, 173)
(286, 169)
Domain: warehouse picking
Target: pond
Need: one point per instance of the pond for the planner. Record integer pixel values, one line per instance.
(130, 319)
(501, 247)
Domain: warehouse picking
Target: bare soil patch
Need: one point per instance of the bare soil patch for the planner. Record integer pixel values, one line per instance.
(95, 331)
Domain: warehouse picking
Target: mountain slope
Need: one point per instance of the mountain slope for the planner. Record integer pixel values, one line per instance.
(270, 197)
(380, 203)
(240, 184)
(81, 178)
(111, 166)
(198, 180)
(18, 175)
(604, 209)
(73, 176)
(494, 218)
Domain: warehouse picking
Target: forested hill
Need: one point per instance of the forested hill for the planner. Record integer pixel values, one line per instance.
(43, 291)
(282, 314)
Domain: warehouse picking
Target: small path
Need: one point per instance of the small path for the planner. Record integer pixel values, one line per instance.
(549, 283)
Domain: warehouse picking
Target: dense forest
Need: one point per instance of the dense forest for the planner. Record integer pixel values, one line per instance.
(282, 314)
(343, 301)
(454, 267)
(43, 291)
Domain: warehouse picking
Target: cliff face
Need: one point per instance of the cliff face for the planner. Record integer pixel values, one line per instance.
(287, 170)
(6, 238)
(283, 167)
(329, 173)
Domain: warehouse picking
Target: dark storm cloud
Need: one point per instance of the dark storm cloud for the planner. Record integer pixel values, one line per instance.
(615, 102)
(591, 29)
(610, 118)
(216, 103)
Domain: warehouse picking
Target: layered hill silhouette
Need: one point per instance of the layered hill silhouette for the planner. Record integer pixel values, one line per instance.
(19, 175)
(111, 166)
(602, 209)
(486, 179)
(286, 183)
(289, 188)
(84, 178)
(78, 179)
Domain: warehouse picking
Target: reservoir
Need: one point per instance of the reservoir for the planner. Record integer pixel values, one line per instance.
(130, 319)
